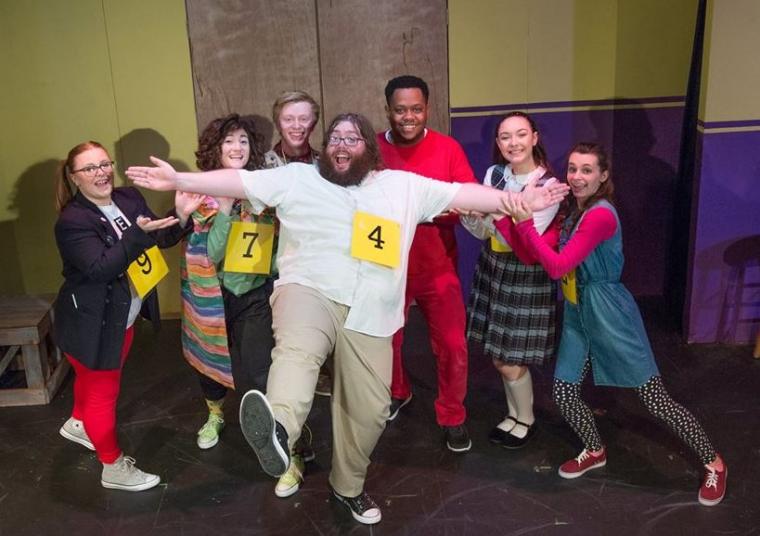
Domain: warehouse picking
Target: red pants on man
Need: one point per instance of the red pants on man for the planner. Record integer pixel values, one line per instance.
(439, 297)
(95, 395)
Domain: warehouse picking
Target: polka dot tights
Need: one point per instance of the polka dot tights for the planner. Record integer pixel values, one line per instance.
(655, 398)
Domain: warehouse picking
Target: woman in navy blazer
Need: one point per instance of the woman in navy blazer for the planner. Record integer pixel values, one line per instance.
(100, 231)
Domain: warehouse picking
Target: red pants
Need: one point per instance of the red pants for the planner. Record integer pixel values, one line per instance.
(439, 297)
(95, 395)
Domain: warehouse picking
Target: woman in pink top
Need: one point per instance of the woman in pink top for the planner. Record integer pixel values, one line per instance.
(602, 329)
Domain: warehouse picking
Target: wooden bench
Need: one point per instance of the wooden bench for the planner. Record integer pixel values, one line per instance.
(26, 336)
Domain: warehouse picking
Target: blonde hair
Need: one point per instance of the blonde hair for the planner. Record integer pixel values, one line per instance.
(293, 96)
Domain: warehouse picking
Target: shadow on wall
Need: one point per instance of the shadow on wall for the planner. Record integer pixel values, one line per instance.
(644, 194)
(31, 264)
(135, 148)
(729, 279)
(265, 127)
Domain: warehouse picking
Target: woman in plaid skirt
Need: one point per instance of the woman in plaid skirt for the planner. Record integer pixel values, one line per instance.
(512, 303)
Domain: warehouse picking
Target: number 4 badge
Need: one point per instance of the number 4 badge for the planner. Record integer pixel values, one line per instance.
(376, 239)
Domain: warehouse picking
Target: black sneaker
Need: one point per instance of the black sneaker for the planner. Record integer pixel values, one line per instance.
(396, 405)
(457, 438)
(303, 447)
(267, 437)
(362, 507)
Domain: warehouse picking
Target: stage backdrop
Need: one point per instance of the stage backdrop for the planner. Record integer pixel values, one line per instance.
(342, 52)
(724, 284)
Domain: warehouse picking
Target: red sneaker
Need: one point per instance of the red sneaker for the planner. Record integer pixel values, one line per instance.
(584, 462)
(713, 486)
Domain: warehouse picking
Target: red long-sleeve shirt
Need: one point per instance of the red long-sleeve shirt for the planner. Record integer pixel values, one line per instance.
(439, 157)
(596, 226)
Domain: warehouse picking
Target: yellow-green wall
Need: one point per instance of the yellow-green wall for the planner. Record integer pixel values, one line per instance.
(117, 72)
(730, 69)
(512, 51)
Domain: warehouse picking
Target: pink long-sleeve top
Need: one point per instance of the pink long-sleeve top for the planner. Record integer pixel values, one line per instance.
(508, 230)
(596, 226)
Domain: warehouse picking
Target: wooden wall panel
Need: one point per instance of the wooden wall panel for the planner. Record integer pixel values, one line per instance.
(364, 43)
(246, 52)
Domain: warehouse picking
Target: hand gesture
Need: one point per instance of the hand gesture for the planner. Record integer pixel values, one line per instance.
(186, 203)
(161, 178)
(148, 225)
(518, 208)
(541, 197)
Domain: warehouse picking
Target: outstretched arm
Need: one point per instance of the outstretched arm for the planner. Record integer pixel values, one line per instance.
(490, 200)
(163, 177)
(597, 225)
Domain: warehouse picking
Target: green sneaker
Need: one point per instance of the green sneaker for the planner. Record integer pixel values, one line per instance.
(291, 480)
(208, 435)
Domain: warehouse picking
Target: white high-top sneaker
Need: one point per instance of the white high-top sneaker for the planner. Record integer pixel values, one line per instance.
(122, 474)
(73, 430)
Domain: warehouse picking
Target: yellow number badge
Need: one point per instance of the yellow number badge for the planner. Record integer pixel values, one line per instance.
(147, 270)
(249, 248)
(376, 239)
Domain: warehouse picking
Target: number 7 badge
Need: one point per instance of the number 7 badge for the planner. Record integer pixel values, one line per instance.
(249, 248)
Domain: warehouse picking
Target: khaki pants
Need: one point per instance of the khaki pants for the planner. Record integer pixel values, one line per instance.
(307, 328)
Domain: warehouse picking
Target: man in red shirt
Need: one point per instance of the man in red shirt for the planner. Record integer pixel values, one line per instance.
(432, 279)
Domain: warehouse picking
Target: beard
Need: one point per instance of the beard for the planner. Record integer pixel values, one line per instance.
(358, 169)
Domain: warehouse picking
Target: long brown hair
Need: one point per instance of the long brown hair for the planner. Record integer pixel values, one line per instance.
(64, 190)
(539, 152)
(208, 156)
(606, 189)
(569, 206)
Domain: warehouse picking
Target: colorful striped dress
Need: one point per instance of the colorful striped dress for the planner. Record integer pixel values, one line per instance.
(204, 335)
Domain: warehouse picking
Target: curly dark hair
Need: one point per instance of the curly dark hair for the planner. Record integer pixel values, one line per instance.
(208, 155)
(405, 81)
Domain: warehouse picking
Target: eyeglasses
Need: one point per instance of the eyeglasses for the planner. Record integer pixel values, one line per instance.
(350, 141)
(92, 169)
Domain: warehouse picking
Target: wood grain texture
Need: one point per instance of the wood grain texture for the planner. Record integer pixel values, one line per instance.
(246, 52)
(365, 43)
(342, 52)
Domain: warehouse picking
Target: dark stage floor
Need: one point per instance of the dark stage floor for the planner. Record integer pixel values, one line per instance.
(51, 486)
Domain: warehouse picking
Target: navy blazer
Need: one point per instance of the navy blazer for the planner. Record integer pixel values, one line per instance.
(93, 304)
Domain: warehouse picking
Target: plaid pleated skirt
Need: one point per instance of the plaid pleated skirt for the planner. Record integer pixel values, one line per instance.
(512, 309)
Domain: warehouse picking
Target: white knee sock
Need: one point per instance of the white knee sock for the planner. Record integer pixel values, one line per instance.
(507, 424)
(522, 394)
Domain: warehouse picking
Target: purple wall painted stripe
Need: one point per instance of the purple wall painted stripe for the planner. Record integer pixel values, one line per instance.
(565, 104)
(724, 290)
(729, 124)
(644, 144)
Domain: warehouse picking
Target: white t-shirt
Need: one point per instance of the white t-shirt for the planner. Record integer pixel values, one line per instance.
(121, 223)
(316, 221)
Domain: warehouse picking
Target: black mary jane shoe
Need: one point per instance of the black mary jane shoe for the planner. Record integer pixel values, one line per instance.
(512, 442)
(497, 435)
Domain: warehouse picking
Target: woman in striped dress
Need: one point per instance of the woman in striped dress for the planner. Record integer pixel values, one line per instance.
(222, 312)
(512, 302)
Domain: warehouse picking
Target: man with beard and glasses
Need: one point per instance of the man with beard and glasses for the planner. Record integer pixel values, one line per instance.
(432, 280)
(346, 227)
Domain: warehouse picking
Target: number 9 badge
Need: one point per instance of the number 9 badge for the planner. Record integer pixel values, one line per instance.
(147, 270)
